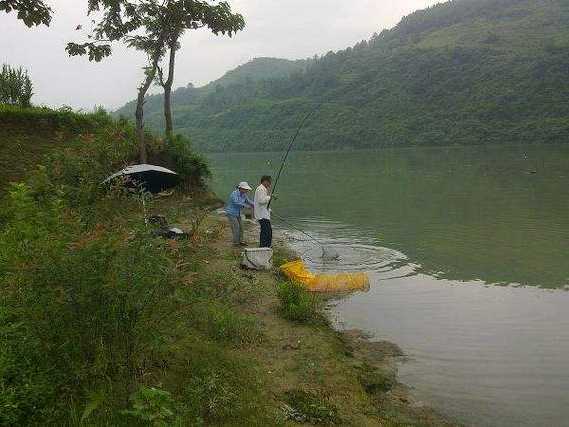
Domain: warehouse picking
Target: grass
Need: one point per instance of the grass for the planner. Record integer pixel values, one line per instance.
(311, 408)
(297, 304)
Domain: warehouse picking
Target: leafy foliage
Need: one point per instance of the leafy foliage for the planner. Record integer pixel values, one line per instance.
(462, 72)
(94, 310)
(16, 87)
(152, 405)
(31, 12)
(191, 165)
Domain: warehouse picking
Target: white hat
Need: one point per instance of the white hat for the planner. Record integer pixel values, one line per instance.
(244, 186)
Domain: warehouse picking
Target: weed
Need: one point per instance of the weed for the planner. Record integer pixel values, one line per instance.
(297, 304)
(153, 406)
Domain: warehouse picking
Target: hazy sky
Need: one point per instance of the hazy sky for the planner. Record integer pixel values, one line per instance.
(278, 28)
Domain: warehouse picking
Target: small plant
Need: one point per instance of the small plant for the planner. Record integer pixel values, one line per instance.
(196, 219)
(152, 405)
(297, 304)
(228, 325)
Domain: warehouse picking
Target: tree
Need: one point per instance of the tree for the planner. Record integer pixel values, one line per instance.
(32, 12)
(183, 15)
(153, 27)
(15, 86)
(120, 20)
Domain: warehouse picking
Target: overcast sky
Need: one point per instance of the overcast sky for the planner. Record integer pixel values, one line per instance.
(290, 29)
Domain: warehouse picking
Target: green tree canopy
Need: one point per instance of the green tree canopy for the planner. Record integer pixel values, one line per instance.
(31, 12)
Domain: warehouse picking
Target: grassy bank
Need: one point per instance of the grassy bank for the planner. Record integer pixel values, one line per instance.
(103, 324)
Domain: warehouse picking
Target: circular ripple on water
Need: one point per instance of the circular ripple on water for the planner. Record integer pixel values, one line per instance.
(354, 257)
(347, 253)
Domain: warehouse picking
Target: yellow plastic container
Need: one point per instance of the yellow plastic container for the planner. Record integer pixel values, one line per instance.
(341, 282)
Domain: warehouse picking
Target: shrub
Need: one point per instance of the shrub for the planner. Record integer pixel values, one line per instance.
(15, 86)
(297, 304)
(64, 119)
(81, 309)
(193, 167)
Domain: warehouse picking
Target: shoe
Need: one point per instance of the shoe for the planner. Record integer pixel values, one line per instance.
(243, 243)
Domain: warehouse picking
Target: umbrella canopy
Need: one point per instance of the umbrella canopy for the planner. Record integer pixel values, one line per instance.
(152, 178)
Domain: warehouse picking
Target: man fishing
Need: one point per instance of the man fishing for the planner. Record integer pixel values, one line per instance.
(238, 200)
(262, 211)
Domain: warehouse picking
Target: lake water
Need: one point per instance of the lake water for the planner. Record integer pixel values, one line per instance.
(467, 251)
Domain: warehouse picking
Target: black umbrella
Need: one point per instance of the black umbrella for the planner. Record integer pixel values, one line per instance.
(151, 178)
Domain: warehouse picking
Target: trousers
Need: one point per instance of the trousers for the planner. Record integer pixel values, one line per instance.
(266, 238)
(236, 228)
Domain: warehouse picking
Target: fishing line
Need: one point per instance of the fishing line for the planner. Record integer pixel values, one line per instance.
(327, 252)
(293, 139)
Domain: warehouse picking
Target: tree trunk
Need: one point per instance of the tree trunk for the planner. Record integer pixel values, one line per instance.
(168, 93)
(150, 75)
(142, 154)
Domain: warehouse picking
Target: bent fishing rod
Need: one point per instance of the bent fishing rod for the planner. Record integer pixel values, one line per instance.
(290, 145)
(284, 221)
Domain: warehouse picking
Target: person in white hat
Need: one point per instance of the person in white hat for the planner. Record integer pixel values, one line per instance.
(238, 200)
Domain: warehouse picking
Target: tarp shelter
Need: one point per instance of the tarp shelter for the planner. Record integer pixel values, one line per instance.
(340, 282)
(152, 178)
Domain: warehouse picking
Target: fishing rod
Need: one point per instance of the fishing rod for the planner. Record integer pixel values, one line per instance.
(327, 252)
(284, 221)
(283, 161)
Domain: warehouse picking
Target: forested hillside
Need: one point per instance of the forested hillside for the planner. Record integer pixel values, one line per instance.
(462, 72)
(191, 96)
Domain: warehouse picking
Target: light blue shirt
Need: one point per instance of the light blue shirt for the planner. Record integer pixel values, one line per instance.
(236, 202)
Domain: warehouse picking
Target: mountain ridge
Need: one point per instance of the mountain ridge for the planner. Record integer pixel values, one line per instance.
(462, 72)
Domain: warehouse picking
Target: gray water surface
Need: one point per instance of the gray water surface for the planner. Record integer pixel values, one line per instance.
(441, 231)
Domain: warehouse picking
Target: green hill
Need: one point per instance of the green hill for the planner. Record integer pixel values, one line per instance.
(189, 97)
(462, 72)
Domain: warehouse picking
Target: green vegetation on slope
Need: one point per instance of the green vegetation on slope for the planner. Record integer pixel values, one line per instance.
(190, 96)
(88, 319)
(103, 324)
(462, 72)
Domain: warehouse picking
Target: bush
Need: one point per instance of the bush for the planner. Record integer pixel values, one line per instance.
(297, 304)
(193, 167)
(81, 309)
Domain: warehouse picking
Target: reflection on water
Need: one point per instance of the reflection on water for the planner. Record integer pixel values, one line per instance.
(465, 213)
(435, 228)
(487, 356)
